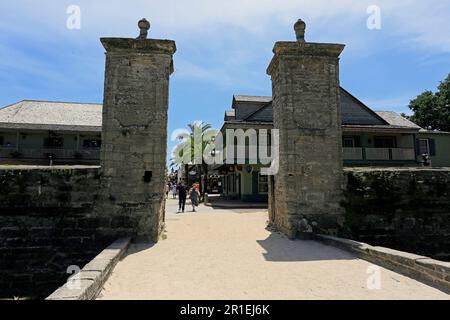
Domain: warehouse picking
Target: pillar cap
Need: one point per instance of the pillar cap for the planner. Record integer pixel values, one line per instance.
(144, 26)
(139, 45)
(297, 49)
(301, 48)
(300, 28)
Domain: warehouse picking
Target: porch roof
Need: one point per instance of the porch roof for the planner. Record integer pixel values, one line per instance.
(54, 116)
(379, 129)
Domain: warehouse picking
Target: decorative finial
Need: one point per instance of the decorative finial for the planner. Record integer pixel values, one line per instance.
(300, 27)
(144, 26)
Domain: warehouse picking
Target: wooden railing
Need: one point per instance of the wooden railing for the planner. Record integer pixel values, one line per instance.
(379, 154)
(353, 153)
(65, 154)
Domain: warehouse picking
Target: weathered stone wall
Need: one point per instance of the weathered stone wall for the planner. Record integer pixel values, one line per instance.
(403, 209)
(305, 86)
(47, 224)
(56, 217)
(134, 145)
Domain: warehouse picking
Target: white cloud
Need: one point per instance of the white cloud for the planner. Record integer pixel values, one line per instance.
(416, 21)
(222, 41)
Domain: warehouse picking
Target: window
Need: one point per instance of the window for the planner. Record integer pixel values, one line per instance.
(348, 142)
(92, 143)
(54, 142)
(424, 146)
(2, 140)
(385, 142)
(263, 184)
(351, 142)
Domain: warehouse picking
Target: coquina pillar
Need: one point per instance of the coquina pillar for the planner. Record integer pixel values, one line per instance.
(134, 136)
(306, 111)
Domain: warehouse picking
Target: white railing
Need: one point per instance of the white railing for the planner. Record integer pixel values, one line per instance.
(377, 154)
(31, 153)
(353, 153)
(380, 154)
(403, 154)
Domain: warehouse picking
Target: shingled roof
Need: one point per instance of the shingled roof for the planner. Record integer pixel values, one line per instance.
(394, 119)
(258, 109)
(254, 99)
(46, 115)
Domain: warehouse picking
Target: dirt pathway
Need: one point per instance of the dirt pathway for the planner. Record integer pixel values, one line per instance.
(228, 254)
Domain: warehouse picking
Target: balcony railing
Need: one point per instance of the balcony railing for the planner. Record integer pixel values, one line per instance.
(5, 152)
(379, 154)
(353, 153)
(63, 154)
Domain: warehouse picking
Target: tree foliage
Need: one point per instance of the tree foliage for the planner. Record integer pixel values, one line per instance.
(432, 110)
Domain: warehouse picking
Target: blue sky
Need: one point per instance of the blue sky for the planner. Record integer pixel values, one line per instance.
(224, 48)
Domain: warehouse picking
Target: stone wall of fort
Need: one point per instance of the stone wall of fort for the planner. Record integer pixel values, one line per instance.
(47, 223)
(403, 209)
(48, 219)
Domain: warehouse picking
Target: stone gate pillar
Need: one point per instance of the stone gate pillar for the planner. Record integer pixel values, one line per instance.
(306, 111)
(134, 137)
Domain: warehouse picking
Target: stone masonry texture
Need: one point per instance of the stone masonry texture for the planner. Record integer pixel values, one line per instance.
(403, 209)
(306, 111)
(48, 220)
(46, 225)
(133, 157)
(53, 218)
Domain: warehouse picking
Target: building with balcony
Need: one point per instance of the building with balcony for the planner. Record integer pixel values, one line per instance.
(369, 138)
(35, 132)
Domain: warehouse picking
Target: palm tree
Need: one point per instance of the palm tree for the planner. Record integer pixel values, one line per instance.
(186, 149)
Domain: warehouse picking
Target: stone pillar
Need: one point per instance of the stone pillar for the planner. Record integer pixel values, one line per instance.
(134, 136)
(306, 111)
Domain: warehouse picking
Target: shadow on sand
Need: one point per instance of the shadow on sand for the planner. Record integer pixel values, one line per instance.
(280, 248)
(138, 247)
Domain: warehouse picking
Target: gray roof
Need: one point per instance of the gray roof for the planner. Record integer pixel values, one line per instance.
(46, 115)
(263, 114)
(230, 115)
(258, 109)
(394, 119)
(255, 99)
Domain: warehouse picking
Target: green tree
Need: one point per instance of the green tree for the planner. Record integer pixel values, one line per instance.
(186, 149)
(432, 110)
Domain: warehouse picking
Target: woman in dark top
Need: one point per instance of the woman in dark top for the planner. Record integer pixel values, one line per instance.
(182, 191)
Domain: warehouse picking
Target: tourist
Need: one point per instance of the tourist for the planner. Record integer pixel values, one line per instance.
(174, 191)
(167, 190)
(426, 160)
(194, 195)
(182, 193)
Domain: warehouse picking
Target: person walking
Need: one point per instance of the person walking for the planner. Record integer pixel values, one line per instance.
(182, 193)
(174, 191)
(194, 195)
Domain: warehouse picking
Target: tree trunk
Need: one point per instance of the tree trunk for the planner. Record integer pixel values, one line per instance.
(198, 169)
(205, 169)
(186, 173)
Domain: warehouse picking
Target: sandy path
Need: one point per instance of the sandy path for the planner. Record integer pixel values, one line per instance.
(224, 254)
